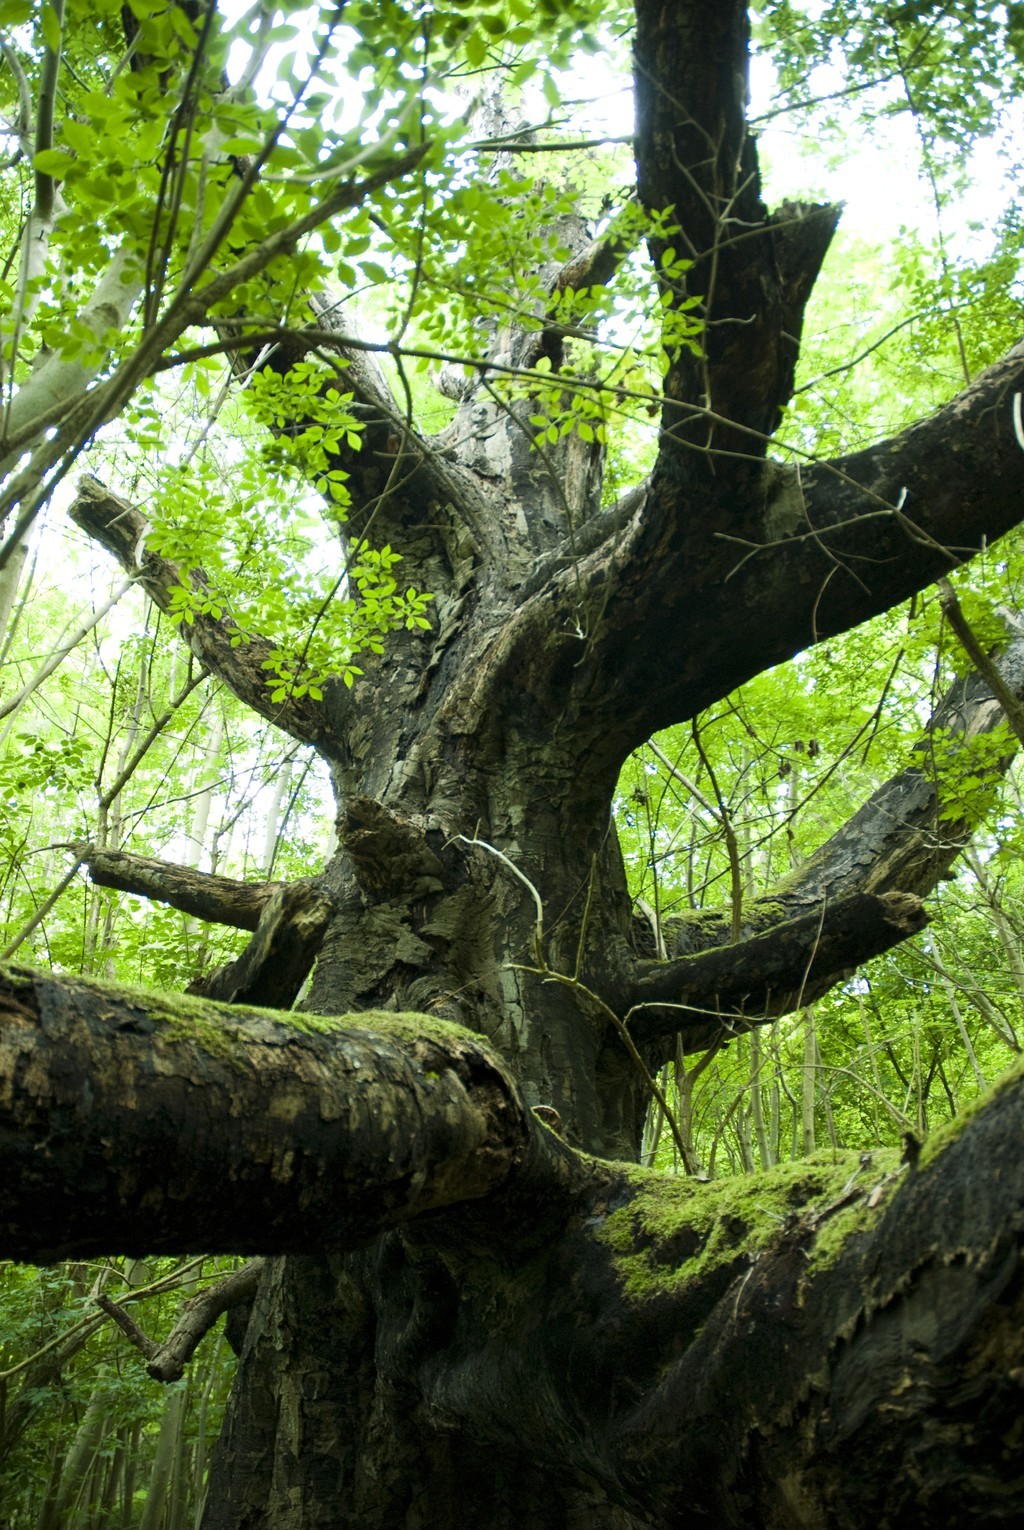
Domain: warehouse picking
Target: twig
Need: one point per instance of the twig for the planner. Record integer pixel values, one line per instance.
(522, 877)
(731, 842)
(167, 1361)
(980, 659)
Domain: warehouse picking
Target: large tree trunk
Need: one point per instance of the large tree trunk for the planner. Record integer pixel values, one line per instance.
(320, 1435)
(438, 1366)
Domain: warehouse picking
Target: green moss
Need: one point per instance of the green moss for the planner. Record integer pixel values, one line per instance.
(20, 979)
(701, 930)
(675, 1231)
(878, 1185)
(408, 1026)
(223, 1029)
(768, 912)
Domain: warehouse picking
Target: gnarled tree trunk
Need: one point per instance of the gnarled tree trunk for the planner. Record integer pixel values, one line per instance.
(487, 1355)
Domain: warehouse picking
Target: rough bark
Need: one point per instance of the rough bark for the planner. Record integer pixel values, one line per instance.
(203, 894)
(550, 1339)
(836, 1342)
(189, 1107)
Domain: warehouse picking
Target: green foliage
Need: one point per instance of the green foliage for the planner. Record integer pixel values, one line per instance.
(82, 1421)
(62, 1363)
(317, 599)
(952, 64)
(244, 470)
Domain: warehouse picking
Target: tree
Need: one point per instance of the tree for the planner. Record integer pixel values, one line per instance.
(474, 1311)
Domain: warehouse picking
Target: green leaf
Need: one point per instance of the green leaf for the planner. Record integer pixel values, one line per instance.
(475, 47)
(241, 145)
(55, 162)
(50, 24)
(79, 136)
(181, 24)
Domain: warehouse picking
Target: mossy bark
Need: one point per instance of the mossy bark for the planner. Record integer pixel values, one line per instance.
(466, 1320)
(835, 1342)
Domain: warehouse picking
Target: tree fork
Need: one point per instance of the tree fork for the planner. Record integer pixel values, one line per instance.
(166, 1360)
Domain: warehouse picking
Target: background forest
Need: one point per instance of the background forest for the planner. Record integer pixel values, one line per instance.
(112, 736)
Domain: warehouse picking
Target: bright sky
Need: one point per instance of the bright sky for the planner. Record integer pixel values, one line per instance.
(876, 177)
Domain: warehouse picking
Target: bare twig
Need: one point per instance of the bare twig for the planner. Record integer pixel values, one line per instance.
(985, 666)
(167, 1361)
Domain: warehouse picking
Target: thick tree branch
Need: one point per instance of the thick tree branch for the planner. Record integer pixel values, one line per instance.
(868, 530)
(216, 899)
(907, 835)
(629, 1300)
(691, 613)
(753, 274)
(733, 564)
(683, 1322)
(234, 1130)
(276, 962)
(121, 529)
(938, 1251)
(732, 988)
(728, 564)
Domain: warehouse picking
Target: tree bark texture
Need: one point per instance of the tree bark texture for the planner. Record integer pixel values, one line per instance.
(837, 1341)
(240, 1099)
(471, 1320)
